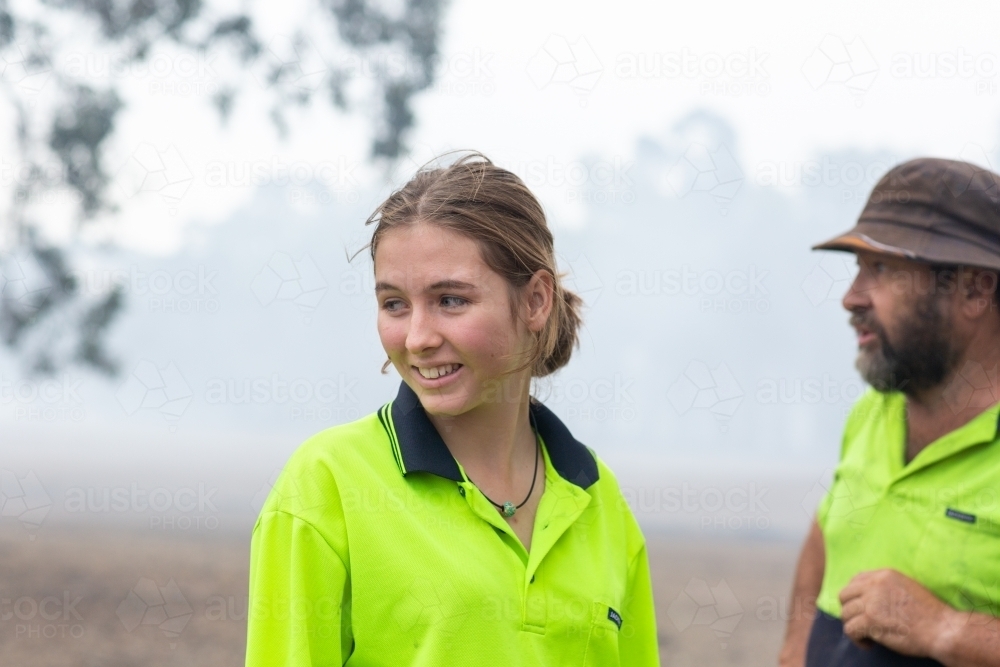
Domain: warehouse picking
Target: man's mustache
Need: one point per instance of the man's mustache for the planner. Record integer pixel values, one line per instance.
(867, 320)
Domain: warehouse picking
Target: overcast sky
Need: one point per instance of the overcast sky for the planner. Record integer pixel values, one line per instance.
(688, 155)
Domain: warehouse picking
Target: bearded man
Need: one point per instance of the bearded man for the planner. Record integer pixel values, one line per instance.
(902, 563)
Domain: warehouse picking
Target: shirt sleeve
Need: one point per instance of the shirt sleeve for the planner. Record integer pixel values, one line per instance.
(637, 644)
(299, 596)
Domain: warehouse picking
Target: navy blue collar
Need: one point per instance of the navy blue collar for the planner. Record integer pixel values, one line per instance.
(421, 448)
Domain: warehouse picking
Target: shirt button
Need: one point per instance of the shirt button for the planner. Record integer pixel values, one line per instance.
(461, 491)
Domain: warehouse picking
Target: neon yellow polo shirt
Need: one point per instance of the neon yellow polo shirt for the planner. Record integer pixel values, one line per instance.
(374, 549)
(935, 520)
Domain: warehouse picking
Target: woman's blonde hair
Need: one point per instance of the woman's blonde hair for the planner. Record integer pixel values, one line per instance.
(494, 207)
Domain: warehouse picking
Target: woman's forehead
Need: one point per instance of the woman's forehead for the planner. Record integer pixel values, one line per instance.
(425, 259)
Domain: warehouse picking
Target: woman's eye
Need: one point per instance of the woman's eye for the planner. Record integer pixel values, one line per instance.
(392, 305)
(453, 301)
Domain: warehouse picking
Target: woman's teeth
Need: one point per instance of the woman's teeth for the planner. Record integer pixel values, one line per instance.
(439, 371)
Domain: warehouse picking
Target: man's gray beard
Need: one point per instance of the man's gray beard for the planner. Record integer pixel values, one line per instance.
(922, 358)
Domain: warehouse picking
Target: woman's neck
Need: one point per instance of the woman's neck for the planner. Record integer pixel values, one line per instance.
(493, 440)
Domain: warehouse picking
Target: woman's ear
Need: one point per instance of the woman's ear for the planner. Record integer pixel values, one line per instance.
(539, 294)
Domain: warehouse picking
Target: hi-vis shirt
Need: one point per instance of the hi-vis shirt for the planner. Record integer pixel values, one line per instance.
(374, 549)
(935, 519)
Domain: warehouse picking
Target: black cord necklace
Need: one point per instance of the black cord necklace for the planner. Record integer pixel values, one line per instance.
(508, 508)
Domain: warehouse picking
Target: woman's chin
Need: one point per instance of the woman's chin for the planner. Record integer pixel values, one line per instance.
(444, 406)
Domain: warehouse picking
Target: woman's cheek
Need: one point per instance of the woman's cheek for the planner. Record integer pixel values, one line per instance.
(392, 333)
(488, 343)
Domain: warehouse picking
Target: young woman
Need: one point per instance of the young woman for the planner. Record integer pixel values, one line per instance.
(461, 524)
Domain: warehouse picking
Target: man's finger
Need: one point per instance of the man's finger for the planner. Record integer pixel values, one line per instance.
(852, 608)
(861, 630)
(853, 589)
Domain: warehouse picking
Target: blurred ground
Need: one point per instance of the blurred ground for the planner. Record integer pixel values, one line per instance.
(115, 598)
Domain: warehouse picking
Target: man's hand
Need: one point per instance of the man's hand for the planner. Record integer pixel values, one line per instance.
(895, 611)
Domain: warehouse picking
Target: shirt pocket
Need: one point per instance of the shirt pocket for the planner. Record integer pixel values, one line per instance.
(958, 560)
(602, 644)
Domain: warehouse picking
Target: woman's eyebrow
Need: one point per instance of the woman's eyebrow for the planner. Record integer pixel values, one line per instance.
(383, 286)
(450, 284)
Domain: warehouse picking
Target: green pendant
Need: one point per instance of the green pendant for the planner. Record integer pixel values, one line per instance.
(508, 509)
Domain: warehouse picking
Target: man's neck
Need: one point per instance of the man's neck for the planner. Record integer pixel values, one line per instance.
(971, 388)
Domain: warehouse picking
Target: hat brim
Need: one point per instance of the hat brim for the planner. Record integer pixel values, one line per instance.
(920, 245)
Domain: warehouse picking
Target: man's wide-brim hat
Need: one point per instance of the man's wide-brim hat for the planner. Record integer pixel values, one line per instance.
(930, 210)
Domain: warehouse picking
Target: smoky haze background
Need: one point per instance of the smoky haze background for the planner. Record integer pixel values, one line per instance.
(687, 163)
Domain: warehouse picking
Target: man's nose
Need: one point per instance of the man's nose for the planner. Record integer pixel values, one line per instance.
(858, 295)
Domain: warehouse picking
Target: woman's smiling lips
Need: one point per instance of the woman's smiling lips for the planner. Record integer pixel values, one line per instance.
(434, 377)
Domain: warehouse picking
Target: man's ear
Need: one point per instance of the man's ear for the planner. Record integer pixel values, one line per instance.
(539, 294)
(978, 290)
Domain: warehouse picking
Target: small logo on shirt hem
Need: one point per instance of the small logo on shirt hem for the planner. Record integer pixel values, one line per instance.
(615, 617)
(961, 516)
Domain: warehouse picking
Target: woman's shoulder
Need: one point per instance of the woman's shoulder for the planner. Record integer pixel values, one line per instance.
(318, 469)
(613, 501)
(340, 440)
